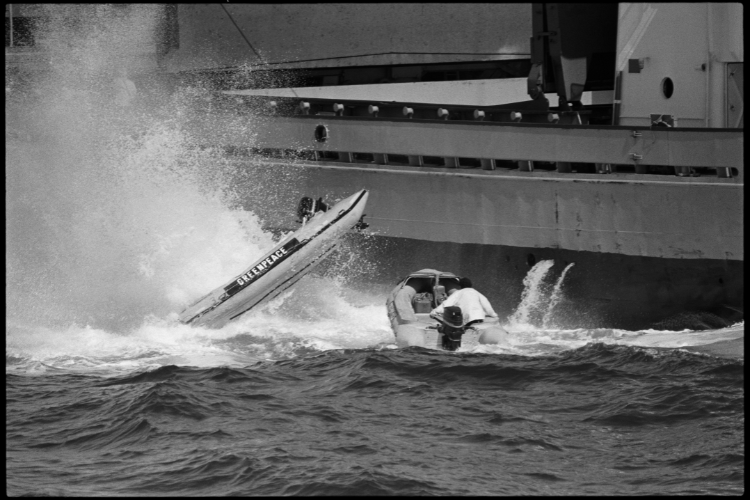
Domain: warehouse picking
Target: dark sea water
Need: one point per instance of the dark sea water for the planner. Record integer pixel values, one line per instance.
(597, 420)
(116, 220)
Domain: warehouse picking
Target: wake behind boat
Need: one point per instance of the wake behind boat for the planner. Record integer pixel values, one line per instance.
(282, 267)
(409, 306)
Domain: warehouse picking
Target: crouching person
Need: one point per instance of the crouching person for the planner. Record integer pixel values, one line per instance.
(474, 306)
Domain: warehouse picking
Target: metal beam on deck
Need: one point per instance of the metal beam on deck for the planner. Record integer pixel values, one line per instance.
(714, 148)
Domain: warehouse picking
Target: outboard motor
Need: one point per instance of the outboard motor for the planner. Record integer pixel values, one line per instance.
(452, 327)
(308, 207)
(361, 225)
(305, 208)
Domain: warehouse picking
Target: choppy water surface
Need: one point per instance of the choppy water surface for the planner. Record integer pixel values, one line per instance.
(600, 419)
(116, 220)
(281, 405)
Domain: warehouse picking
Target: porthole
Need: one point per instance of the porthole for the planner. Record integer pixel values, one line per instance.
(321, 133)
(530, 260)
(667, 87)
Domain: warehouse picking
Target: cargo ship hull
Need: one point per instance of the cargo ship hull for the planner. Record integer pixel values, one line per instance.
(639, 250)
(600, 290)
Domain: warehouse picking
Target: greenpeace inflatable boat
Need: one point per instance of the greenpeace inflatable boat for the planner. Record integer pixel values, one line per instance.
(409, 306)
(283, 266)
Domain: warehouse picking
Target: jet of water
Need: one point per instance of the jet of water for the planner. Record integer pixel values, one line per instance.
(555, 297)
(533, 297)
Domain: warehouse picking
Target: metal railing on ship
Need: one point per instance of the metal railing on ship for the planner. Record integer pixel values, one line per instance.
(490, 138)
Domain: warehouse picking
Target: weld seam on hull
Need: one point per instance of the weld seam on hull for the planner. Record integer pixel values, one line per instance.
(563, 229)
(510, 177)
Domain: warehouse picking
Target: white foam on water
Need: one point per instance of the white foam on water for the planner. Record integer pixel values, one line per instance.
(311, 317)
(671, 339)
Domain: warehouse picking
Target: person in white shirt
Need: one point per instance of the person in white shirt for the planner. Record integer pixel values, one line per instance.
(474, 306)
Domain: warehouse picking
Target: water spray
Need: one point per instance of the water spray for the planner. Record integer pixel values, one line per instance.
(555, 297)
(533, 297)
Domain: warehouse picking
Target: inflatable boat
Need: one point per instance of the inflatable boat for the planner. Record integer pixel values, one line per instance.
(283, 266)
(409, 306)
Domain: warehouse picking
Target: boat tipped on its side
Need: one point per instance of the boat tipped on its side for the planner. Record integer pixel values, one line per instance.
(283, 266)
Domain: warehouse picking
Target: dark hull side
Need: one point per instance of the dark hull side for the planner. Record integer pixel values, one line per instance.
(600, 290)
(644, 249)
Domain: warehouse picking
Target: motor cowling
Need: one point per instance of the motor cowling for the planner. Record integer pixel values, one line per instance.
(308, 207)
(305, 208)
(452, 327)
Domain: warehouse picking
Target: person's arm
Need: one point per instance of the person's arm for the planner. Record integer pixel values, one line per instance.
(437, 310)
(487, 306)
(451, 300)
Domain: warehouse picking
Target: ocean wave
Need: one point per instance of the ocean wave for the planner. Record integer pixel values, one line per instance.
(369, 420)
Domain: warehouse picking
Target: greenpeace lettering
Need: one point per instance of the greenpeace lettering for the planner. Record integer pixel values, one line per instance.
(262, 267)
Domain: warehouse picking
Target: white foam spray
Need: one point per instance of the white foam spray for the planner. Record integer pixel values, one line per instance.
(533, 298)
(529, 337)
(555, 297)
(117, 219)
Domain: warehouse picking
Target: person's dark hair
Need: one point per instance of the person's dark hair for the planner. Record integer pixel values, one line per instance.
(465, 283)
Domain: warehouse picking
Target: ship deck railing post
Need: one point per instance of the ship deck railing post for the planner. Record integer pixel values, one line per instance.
(488, 163)
(724, 172)
(684, 171)
(525, 165)
(10, 28)
(380, 158)
(450, 161)
(416, 160)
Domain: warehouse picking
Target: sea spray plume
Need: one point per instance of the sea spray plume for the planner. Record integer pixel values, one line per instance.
(555, 297)
(106, 226)
(533, 296)
(351, 264)
(64, 110)
(98, 227)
